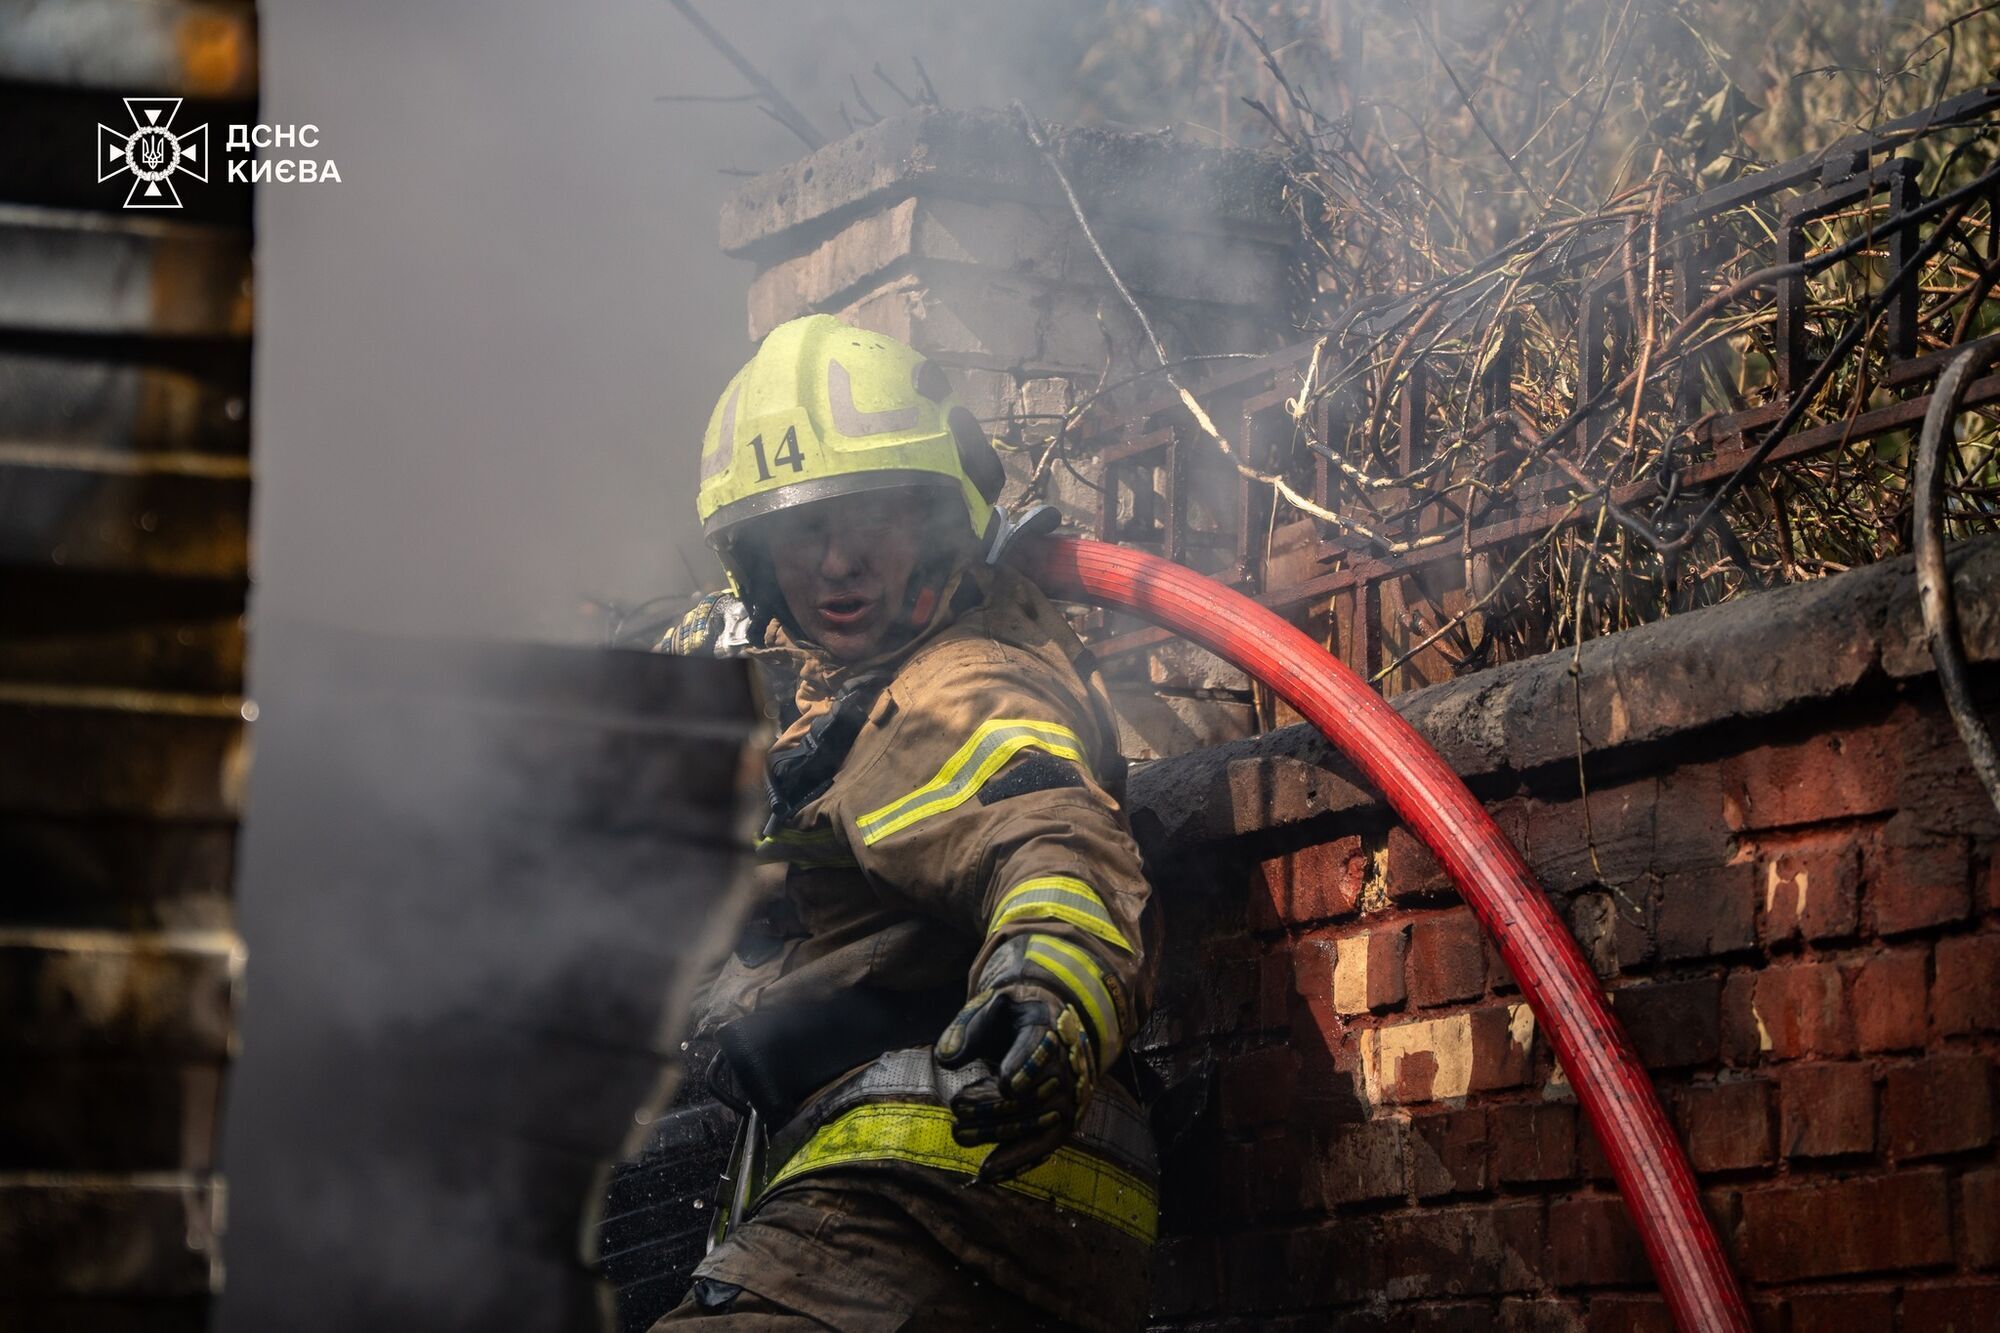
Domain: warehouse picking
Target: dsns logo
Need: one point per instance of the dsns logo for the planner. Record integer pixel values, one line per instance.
(152, 152)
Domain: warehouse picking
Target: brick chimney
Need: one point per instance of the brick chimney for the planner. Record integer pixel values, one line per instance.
(948, 229)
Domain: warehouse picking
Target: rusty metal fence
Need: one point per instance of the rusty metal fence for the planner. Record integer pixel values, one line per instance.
(1794, 314)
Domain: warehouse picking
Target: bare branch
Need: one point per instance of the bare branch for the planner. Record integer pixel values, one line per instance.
(779, 106)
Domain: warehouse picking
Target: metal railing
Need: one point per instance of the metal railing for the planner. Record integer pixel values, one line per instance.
(1739, 273)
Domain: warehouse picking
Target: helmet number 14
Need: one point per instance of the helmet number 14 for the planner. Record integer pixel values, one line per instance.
(788, 454)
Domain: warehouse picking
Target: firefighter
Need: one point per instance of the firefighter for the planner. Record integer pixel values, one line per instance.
(925, 1024)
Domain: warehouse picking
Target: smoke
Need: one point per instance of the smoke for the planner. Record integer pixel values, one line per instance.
(484, 359)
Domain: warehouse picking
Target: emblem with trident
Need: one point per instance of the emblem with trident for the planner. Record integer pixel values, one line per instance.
(152, 152)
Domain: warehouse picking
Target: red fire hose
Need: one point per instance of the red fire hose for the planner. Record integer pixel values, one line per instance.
(1560, 988)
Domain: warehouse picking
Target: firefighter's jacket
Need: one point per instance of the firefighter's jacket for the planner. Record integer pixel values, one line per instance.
(977, 809)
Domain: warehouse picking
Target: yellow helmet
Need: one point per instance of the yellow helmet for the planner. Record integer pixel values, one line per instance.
(823, 410)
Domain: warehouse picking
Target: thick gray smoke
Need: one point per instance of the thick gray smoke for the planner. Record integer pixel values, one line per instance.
(484, 359)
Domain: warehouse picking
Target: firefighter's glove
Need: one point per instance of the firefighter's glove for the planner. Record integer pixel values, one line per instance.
(717, 625)
(1043, 1071)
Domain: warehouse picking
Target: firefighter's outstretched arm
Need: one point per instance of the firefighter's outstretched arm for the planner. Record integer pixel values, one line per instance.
(985, 807)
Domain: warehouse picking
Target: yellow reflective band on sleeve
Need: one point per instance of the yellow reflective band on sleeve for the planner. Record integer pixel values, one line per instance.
(921, 1134)
(983, 755)
(1079, 972)
(1059, 898)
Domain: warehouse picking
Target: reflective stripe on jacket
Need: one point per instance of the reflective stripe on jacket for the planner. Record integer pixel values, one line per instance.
(980, 803)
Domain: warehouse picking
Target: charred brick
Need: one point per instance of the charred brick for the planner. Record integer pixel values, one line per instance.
(1674, 1024)
(1703, 913)
(1364, 1162)
(1447, 959)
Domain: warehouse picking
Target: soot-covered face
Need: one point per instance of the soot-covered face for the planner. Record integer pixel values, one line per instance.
(844, 566)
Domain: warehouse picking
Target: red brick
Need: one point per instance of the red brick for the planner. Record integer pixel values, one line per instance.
(1463, 1251)
(1497, 1062)
(1674, 1023)
(1421, 1060)
(1811, 889)
(1889, 997)
(1916, 880)
(1802, 1011)
(1707, 912)
(1980, 1244)
(1312, 884)
(1827, 1110)
(1852, 1226)
(1942, 1104)
(1828, 1311)
(1728, 1125)
(1386, 950)
(1327, 880)
(1448, 1153)
(1742, 1043)
(1534, 1141)
(1364, 1162)
(1629, 1314)
(1447, 959)
(1271, 893)
(1966, 994)
(1806, 782)
(1724, 1206)
(1357, 972)
(1409, 870)
(1258, 1088)
(1953, 1307)
(1592, 1243)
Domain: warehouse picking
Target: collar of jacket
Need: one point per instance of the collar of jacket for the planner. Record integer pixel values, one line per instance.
(823, 681)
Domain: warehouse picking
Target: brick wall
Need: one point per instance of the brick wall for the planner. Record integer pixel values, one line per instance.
(1781, 868)
(1786, 875)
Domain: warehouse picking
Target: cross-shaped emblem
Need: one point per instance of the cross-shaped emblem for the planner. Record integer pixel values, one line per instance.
(152, 152)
